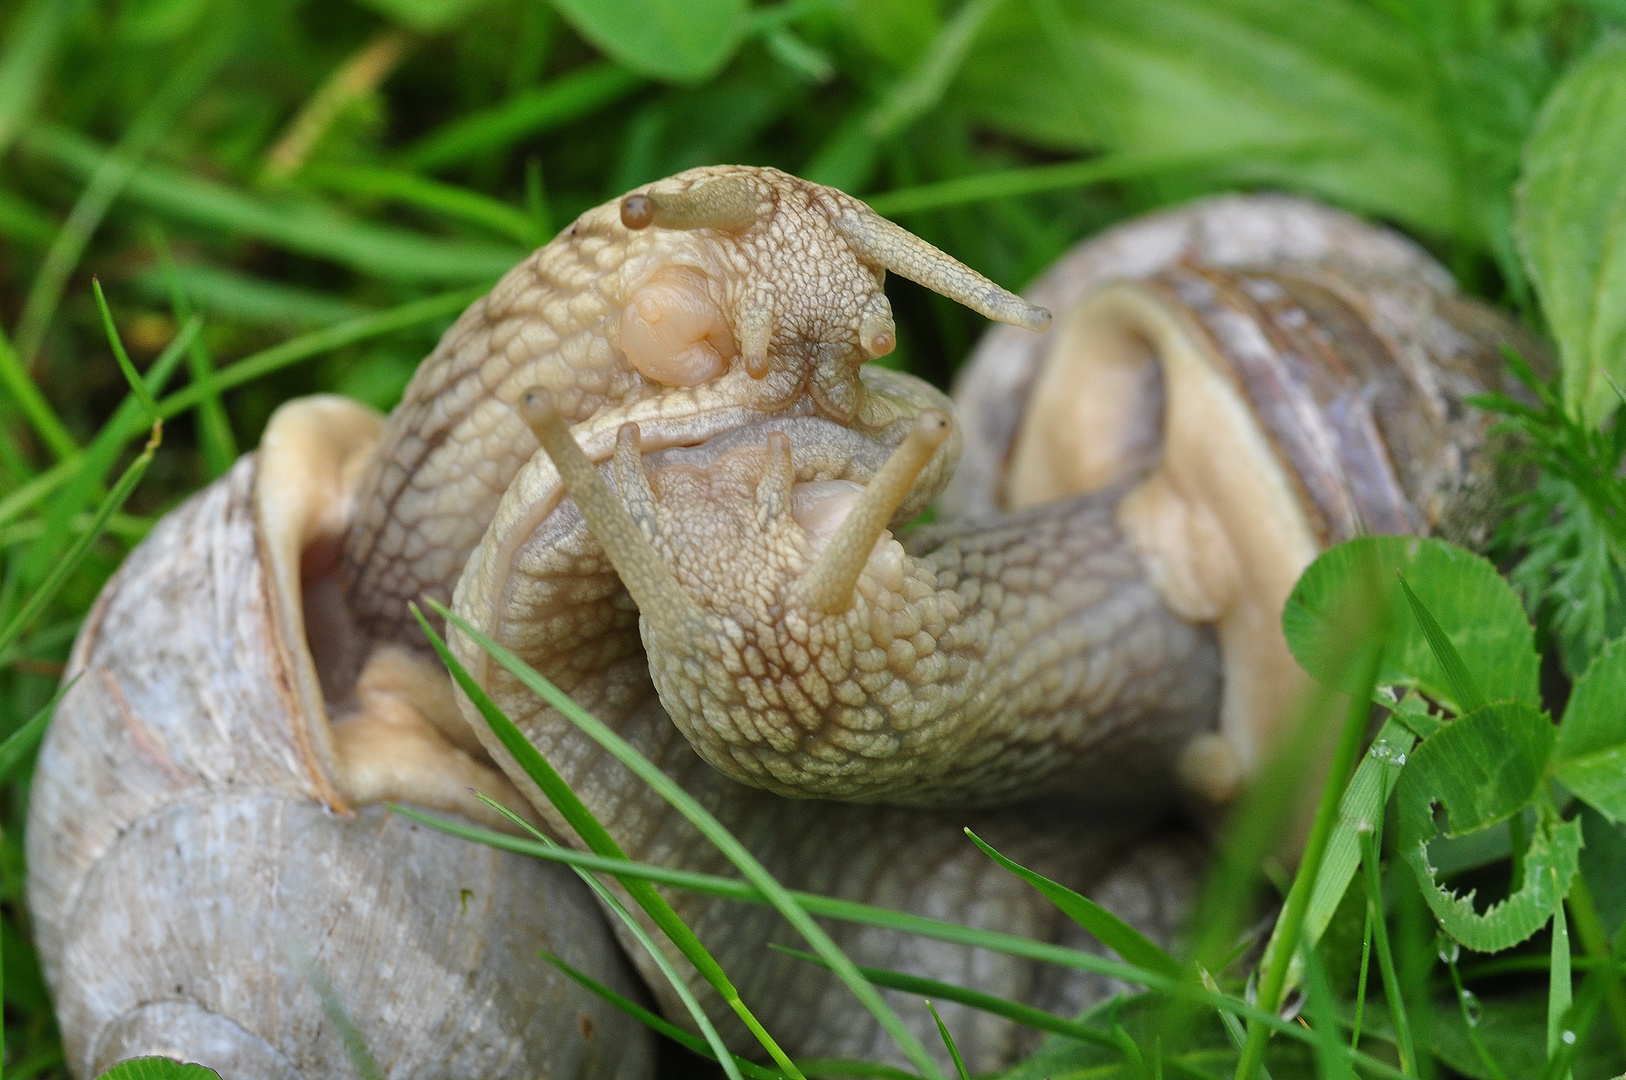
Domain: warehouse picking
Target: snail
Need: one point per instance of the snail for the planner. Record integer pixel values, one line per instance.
(653, 463)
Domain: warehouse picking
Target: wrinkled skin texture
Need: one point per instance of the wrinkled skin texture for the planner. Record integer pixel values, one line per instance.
(978, 663)
(609, 321)
(556, 322)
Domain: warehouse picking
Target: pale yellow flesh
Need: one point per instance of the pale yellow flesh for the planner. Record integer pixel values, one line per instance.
(402, 738)
(1217, 523)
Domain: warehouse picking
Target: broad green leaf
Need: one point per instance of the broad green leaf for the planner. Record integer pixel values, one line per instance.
(1481, 770)
(425, 16)
(1189, 75)
(1474, 606)
(1110, 930)
(1512, 1029)
(1591, 755)
(157, 1068)
(1571, 220)
(682, 41)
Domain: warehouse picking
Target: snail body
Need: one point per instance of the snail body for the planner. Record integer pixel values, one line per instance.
(652, 464)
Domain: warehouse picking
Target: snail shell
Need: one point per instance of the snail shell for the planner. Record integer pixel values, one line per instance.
(1272, 377)
(203, 869)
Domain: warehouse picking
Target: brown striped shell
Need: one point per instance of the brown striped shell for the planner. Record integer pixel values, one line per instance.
(1277, 377)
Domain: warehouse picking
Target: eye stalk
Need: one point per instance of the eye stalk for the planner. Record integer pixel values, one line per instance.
(730, 203)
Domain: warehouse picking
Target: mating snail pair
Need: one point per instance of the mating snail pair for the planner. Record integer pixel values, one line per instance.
(1089, 636)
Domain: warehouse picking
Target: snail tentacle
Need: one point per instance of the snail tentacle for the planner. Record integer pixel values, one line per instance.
(888, 244)
(828, 584)
(647, 578)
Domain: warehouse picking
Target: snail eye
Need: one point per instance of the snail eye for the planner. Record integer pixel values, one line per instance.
(877, 334)
(636, 212)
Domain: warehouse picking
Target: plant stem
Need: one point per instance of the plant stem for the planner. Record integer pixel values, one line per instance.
(1285, 938)
(1386, 961)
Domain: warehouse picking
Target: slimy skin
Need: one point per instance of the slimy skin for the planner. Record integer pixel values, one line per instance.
(715, 294)
(653, 465)
(802, 649)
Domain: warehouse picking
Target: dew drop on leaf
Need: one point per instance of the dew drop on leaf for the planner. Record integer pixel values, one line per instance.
(1388, 753)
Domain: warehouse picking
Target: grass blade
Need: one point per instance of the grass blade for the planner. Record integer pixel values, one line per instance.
(353, 80)
(234, 296)
(20, 743)
(249, 368)
(1360, 981)
(35, 34)
(1110, 930)
(1386, 962)
(104, 183)
(1595, 944)
(1026, 1015)
(901, 921)
(523, 116)
(1462, 684)
(1332, 1063)
(1361, 808)
(1559, 988)
(1065, 176)
(84, 485)
(300, 226)
(713, 830)
(41, 417)
(69, 562)
(1284, 938)
(1466, 1002)
(599, 840)
(454, 202)
(713, 1040)
(660, 1024)
(316, 342)
(948, 1041)
(215, 436)
(137, 386)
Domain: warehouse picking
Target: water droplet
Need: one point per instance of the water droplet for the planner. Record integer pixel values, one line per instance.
(1388, 753)
(1471, 1007)
(1447, 948)
(1569, 1038)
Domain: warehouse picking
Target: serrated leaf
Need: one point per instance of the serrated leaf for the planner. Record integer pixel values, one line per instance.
(1482, 769)
(157, 1068)
(682, 41)
(1590, 758)
(1327, 616)
(1571, 225)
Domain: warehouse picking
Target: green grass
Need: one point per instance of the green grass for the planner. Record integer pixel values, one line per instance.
(164, 286)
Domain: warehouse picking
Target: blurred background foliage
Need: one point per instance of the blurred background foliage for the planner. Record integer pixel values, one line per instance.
(281, 197)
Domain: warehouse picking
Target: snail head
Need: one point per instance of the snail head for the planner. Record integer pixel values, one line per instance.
(751, 271)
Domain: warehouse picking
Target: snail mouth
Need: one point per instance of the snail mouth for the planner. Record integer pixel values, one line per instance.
(823, 450)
